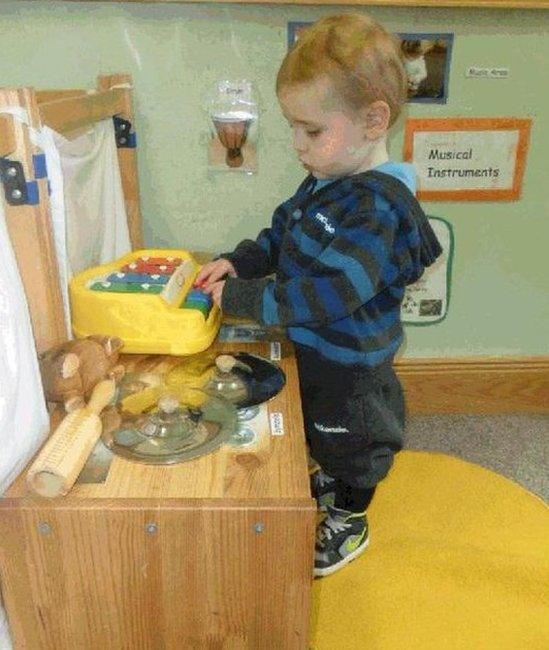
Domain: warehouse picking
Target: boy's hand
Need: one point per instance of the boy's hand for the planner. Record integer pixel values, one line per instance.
(211, 272)
(215, 289)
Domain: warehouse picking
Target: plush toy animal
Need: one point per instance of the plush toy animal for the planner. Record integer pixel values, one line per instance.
(71, 370)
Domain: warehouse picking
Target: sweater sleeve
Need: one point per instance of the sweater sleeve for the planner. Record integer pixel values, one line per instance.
(358, 264)
(256, 259)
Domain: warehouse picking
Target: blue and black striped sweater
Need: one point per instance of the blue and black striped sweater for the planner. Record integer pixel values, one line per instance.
(342, 257)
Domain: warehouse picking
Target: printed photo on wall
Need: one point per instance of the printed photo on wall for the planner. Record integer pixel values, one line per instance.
(427, 63)
(426, 59)
(294, 29)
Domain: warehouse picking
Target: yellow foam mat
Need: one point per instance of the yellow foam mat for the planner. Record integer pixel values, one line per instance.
(458, 559)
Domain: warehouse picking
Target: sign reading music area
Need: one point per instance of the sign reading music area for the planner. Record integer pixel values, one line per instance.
(468, 159)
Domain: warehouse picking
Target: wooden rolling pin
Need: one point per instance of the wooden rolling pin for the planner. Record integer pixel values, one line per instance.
(64, 455)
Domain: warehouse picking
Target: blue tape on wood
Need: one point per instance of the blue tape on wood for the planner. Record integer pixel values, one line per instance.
(33, 196)
(39, 163)
(132, 141)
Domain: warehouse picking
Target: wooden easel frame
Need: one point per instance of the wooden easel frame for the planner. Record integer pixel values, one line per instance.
(29, 226)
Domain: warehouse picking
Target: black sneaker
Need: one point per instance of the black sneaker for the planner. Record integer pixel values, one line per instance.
(341, 537)
(323, 489)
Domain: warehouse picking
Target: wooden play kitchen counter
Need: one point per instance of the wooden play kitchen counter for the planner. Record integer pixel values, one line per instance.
(215, 552)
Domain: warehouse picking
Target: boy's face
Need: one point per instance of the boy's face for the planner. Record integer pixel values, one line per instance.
(329, 138)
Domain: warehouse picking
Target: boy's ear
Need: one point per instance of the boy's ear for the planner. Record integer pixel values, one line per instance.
(376, 119)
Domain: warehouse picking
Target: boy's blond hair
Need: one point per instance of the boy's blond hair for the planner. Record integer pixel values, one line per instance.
(359, 56)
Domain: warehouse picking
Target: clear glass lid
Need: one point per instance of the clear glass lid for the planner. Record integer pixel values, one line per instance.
(191, 407)
(175, 426)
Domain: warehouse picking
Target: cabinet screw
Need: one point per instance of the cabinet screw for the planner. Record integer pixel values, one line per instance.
(44, 528)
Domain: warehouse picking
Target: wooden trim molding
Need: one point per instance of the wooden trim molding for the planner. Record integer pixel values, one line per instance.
(476, 385)
(481, 4)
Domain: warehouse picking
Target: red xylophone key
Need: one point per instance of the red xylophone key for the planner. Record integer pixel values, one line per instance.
(142, 267)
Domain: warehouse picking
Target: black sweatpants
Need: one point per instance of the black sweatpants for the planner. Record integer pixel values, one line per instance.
(354, 423)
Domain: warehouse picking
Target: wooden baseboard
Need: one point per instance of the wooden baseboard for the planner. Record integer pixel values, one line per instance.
(476, 385)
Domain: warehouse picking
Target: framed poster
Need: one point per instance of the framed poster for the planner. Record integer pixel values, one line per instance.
(468, 159)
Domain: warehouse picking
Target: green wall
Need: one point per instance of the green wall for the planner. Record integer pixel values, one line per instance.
(499, 296)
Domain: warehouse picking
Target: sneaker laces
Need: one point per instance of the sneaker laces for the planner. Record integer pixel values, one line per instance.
(329, 527)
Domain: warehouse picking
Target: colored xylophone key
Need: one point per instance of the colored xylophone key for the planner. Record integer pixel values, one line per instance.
(157, 261)
(126, 287)
(196, 294)
(198, 300)
(143, 267)
(139, 278)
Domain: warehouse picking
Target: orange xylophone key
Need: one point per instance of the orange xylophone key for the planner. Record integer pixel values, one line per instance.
(174, 261)
(142, 267)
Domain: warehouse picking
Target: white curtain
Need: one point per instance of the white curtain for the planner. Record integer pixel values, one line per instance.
(23, 414)
(5, 640)
(87, 201)
(24, 421)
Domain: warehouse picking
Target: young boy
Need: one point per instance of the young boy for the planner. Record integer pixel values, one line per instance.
(343, 248)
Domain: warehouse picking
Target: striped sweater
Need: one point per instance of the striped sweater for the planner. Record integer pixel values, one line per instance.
(341, 258)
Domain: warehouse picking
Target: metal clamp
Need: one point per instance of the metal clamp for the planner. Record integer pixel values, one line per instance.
(13, 179)
(125, 139)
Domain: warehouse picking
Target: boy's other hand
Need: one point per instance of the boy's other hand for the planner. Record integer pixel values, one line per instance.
(212, 272)
(215, 289)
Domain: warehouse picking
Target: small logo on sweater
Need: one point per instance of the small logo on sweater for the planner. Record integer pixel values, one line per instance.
(323, 429)
(325, 223)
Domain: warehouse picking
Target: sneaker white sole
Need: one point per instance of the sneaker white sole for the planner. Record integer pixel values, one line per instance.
(320, 573)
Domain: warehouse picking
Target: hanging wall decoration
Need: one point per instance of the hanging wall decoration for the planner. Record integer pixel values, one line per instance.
(468, 159)
(426, 301)
(233, 116)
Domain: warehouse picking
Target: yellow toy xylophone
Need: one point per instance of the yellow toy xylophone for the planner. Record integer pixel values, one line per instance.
(147, 299)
